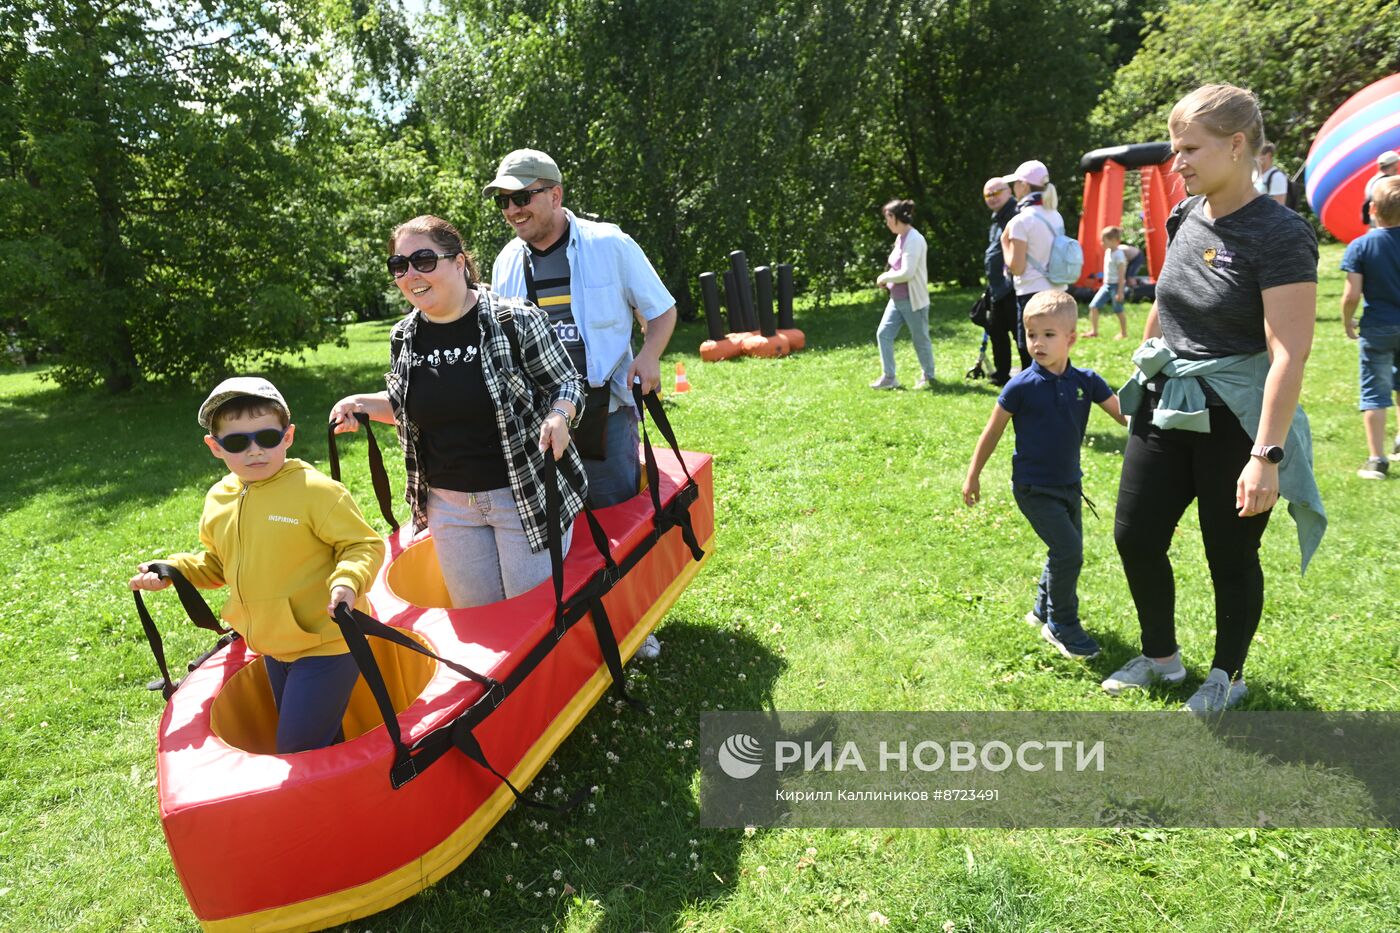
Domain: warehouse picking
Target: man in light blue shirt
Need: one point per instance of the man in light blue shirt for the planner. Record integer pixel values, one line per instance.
(592, 280)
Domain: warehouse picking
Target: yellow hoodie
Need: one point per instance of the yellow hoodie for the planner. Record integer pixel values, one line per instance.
(281, 544)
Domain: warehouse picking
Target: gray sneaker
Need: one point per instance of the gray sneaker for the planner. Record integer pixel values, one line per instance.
(1375, 468)
(1142, 672)
(886, 382)
(1217, 694)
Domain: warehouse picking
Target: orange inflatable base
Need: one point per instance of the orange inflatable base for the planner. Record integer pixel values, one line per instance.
(753, 343)
(301, 842)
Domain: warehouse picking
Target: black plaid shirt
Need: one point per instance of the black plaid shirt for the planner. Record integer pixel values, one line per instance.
(522, 400)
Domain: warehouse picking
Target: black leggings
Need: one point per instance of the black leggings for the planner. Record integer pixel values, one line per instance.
(1162, 472)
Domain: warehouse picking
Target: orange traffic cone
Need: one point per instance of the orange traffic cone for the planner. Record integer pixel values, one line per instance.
(682, 383)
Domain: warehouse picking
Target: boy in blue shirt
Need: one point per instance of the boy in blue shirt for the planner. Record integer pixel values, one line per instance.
(1048, 406)
(1372, 265)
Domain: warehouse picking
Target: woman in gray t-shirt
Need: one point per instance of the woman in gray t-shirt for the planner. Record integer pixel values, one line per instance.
(1240, 279)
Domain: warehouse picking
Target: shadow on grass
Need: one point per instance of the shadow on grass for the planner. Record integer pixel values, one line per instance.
(98, 456)
(627, 851)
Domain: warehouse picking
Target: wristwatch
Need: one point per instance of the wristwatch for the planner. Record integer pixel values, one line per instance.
(1267, 452)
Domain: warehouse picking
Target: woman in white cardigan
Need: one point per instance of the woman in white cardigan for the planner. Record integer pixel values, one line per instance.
(906, 279)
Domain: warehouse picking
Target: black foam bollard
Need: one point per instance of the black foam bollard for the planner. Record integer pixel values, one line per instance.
(785, 295)
(763, 283)
(733, 304)
(709, 294)
(739, 263)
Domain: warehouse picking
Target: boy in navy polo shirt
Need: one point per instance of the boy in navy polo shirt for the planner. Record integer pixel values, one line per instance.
(1048, 405)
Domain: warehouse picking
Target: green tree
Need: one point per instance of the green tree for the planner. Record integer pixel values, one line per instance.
(164, 191)
(978, 87)
(1303, 58)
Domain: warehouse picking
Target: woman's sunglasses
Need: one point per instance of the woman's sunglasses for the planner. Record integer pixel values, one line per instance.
(424, 260)
(519, 198)
(236, 442)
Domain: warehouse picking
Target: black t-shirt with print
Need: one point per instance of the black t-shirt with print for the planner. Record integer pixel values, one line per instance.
(1208, 295)
(458, 438)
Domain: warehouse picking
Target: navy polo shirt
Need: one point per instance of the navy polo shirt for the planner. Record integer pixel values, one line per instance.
(1049, 414)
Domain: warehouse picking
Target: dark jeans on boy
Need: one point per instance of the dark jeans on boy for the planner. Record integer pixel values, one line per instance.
(311, 695)
(1054, 513)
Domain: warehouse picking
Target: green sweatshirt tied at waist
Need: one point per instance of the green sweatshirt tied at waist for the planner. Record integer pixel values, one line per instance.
(1239, 381)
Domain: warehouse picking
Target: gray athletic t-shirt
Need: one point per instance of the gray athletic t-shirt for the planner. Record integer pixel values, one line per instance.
(1208, 295)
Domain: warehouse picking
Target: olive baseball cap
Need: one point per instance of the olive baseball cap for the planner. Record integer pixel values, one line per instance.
(253, 386)
(521, 169)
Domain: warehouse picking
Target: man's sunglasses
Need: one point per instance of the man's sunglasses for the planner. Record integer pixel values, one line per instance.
(236, 442)
(424, 260)
(519, 198)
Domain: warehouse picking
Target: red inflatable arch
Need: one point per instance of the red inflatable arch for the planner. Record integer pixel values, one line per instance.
(1105, 172)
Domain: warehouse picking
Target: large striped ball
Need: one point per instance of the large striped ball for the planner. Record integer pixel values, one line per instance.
(1343, 157)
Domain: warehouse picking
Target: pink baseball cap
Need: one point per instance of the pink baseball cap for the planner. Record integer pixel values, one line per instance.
(1389, 157)
(1033, 172)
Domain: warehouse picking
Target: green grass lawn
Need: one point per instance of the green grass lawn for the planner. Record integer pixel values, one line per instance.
(847, 574)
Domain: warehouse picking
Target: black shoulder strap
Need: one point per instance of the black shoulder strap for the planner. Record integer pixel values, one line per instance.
(505, 317)
(1178, 214)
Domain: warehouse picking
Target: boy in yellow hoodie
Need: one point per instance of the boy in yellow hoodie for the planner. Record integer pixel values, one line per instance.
(291, 545)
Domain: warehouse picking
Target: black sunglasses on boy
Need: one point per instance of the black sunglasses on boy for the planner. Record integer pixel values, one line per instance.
(235, 442)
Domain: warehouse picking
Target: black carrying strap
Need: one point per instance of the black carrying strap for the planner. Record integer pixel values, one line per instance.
(688, 494)
(377, 474)
(409, 762)
(593, 591)
(199, 613)
(355, 626)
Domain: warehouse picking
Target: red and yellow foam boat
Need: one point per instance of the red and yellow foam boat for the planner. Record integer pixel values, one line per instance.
(300, 842)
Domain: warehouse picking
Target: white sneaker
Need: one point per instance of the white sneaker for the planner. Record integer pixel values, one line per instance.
(886, 382)
(925, 382)
(649, 649)
(1216, 695)
(1142, 672)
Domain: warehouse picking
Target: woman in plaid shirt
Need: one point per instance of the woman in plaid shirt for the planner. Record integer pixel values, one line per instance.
(480, 389)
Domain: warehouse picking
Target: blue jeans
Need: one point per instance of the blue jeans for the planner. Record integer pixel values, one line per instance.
(617, 478)
(482, 548)
(311, 696)
(1104, 296)
(1054, 513)
(1380, 369)
(898, 313)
